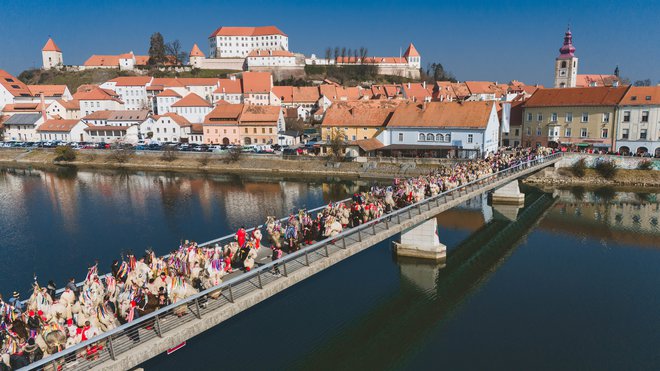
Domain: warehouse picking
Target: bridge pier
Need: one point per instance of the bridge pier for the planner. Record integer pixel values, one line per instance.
(509, 194)
(421, 241)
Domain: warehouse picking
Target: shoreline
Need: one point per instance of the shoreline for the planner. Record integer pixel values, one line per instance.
(624, 178)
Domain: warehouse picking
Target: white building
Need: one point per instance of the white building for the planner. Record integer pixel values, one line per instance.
(51, 55)
(229, 90)
(168, 127)
(97, 99)
(192, 107)
(443, 126)
(238, 42)
(23, 127)
(638, 121)
(165, 100)
(257, 88)
(132, 90)
(270, 58)
(65, 109)
(11, 88)
(63, 130)
(50, 93)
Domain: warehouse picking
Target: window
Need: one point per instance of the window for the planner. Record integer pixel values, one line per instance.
(422, 137)
(538, 130)
(353, 137)
(583, 133)
(529, 131)
(606, 117)
(642, 134)
(625, 133)
(529, 116)
(645, 116)
(439, 138)
(563, 64)
(567, 133)
(603, 133)
(554, 117)
(517, 132)
(447, 138)
(634, 97)
(626, 116)
(648, 97)
(430, 137)
(400, 137)
(470, 138)
(539, 117)
(585, 117)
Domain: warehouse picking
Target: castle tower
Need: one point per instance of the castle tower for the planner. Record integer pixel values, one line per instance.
(566, 64)
(51, 55)
(413, 57)
(196, 57)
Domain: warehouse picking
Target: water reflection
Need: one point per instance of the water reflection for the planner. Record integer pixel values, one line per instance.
(56, 223)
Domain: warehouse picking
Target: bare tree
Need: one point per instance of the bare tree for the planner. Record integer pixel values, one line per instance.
(336, 52)
(343, 52)
(349, 52)
(328, 53)
(175, 49)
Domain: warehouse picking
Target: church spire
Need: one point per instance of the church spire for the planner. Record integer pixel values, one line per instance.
(567, 50)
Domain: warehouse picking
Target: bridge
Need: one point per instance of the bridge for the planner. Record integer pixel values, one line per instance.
(151, 335)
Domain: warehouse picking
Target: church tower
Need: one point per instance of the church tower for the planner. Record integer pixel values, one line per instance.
(196, 57)
(566, 64)
(51, 55)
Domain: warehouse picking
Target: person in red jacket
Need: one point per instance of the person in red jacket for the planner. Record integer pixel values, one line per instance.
(240, 236)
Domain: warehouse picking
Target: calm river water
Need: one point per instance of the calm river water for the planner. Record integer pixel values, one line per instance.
(575, 286)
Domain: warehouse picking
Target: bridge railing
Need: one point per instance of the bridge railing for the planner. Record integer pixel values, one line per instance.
(108, 345)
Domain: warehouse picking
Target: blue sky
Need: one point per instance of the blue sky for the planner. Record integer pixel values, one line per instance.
(475, 40)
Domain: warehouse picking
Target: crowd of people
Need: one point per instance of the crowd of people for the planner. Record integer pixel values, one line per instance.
(48, 322)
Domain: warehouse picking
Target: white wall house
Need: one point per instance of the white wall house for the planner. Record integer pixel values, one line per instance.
(11, 88)
(165, 100)
(270, 58)
(638, 121)
(63, 130)
(168, 127)
(132, 90)
(230, 90)
(444, 125)
(23, 127)
(68, 110)
(238, 42)
(98, 99)
(192, 107)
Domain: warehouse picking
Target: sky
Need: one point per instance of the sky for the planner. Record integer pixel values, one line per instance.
(475, 40)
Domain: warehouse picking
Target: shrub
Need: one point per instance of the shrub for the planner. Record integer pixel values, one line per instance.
(645, 165)
(169, 154)
(204, 159)
(120, 156)
(65, 153)
(578, 168)
(607, 169)
(234, 154)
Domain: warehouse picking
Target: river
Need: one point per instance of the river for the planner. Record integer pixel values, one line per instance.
(576, 288)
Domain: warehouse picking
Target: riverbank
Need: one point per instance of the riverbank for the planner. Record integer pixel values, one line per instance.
(216, 163)
(623, 178)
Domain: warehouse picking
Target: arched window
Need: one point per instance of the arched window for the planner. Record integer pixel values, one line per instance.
(422, 137)
(563, 64)
(430, 137)
(448, 138)
(439, 138)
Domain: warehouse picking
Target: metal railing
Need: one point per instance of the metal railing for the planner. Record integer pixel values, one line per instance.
(158, 323)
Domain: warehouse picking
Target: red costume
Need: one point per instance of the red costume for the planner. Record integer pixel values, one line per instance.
(240, 237)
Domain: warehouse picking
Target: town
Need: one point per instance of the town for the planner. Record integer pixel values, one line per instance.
(582, 112)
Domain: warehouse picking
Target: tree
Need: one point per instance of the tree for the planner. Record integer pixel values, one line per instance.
(336, 52)
(328, 53)
(174, 49)
(336, 143)
(156, 49)
(363, 53)
(436, 72)
(646, 82)
(343, 52)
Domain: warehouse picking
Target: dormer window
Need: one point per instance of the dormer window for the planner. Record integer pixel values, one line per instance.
(648, 97)
(633, 97)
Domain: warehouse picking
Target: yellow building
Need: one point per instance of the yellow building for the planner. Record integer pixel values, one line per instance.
(357, 120)
(572, 117)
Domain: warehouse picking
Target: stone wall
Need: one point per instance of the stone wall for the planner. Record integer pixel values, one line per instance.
(622, 162)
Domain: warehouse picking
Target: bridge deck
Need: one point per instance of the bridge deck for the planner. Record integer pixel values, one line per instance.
(133, 343)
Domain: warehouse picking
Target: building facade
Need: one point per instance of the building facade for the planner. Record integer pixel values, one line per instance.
(638, 122)
(238, 42)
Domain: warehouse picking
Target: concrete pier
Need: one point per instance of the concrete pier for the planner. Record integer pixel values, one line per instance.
(422, 241)
(509, 194)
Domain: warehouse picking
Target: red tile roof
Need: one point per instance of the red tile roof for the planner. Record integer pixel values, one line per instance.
(196, 51)
(257, 82)
(51, 46)
(259, 115)
(99, 115)
(230, 86)
(131, 80)
(637, 96)
(72, 104)
(47, 90)
(270, 53)
(561, 97)
(224, 114)
(247, 31)
(285, 93)
(63, 126)
(96, 94)
(192, 100)
(416, 91)
(411, 51)
(442, 114)
(168, 93)
(15, 86)
(595, 79)
(182, 121)
(306, 94)
(374, 113)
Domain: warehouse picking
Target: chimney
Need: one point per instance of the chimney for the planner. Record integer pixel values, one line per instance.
(408, 85)
(223, 90)
(232, 77)
(424, 84)
(43, 107)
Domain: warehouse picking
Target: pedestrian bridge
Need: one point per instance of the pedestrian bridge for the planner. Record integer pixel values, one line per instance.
(151, 335)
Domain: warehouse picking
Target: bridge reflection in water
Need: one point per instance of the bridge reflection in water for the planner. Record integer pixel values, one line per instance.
(438, 289)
